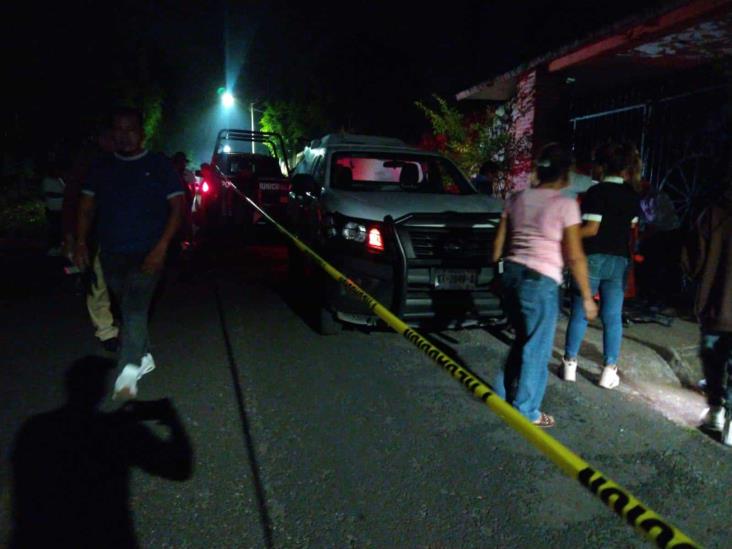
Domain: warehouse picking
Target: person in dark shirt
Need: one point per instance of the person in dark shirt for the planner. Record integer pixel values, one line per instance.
(138, 200)
(707, 259)
(609, 211)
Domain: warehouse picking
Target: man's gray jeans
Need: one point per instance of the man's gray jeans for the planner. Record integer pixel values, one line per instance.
(133, 291)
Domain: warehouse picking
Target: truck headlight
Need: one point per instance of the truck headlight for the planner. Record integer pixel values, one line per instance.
(354, 231)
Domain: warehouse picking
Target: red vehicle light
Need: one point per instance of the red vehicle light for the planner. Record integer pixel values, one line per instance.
(205, 188)
(375, 243)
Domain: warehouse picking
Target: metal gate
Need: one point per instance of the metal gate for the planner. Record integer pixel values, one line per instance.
(684, 141)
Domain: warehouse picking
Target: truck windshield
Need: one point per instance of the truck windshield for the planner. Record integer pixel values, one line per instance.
(365, 171)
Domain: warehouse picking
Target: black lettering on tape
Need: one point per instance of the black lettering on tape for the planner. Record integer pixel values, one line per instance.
(409, 335)
(620, 503)
(595, 484)
(585, 475)
(665, 535)
(633, 515)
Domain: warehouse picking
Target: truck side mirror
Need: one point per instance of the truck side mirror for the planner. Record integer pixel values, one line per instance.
(304, 183)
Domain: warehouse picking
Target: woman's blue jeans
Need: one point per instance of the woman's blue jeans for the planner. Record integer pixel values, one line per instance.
(608, 275)
(530, 300)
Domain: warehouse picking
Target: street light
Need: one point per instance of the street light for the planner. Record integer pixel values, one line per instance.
(227, 99)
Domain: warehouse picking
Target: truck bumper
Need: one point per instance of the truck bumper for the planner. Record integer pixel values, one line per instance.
(413, 298)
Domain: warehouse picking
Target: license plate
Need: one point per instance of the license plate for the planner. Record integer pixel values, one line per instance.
(455, 279)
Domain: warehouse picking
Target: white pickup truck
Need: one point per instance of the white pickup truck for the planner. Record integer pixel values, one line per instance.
(404, 224)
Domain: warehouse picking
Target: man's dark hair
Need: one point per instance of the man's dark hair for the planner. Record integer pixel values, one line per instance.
(552, 163)
(616, 157)
(128, 112)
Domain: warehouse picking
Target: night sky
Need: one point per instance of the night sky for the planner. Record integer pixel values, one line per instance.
(366, 62)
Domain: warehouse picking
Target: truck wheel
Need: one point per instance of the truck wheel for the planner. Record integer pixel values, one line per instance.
(327, 323)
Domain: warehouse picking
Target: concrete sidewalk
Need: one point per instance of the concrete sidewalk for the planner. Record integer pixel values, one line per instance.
(658, 364)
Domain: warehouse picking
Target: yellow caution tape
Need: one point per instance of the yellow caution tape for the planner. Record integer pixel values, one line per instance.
(644, 520)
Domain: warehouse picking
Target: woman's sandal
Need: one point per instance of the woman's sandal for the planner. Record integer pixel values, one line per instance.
(545, 420)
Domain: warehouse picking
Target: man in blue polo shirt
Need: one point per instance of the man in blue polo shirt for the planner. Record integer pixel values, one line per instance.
(138, 202)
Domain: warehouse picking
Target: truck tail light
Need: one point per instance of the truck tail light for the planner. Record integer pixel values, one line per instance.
(205, 187)
(375, 242)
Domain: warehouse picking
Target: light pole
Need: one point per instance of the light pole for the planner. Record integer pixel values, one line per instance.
(251, 119)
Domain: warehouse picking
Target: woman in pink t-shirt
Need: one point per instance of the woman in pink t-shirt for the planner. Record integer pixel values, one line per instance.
(541, 227)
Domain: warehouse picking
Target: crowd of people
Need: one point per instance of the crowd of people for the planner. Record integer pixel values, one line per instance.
(542, 231)
(119, 208)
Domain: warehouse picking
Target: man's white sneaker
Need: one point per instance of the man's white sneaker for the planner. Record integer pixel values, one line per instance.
(714, 419)
(125, 388)
(146, 366)
(569, 369)
(727, 431)
(609, 378)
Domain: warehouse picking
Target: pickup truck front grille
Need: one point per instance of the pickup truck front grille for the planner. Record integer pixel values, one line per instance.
(451, 243)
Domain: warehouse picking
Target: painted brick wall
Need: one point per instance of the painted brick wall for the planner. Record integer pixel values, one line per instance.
(522, 127)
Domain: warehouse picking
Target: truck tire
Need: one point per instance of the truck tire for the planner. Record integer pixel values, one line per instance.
(295, 267)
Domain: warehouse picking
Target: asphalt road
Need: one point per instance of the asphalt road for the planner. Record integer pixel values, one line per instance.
(355, 440)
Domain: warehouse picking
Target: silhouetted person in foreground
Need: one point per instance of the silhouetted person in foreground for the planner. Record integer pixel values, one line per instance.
(71, 466)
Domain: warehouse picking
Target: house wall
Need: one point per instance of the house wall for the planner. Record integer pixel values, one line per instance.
(540, 113)
(522, 130)
(551, 110)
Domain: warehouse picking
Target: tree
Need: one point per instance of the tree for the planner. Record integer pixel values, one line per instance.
(471, 139)
(297, 123)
